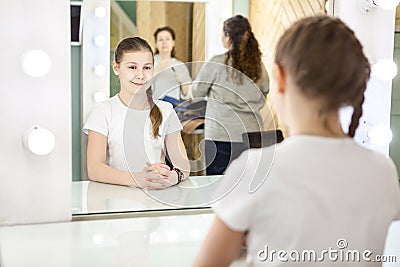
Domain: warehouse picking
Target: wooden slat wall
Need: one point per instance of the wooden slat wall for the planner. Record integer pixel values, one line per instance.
(177, 18)
(270, 18)
(150, 16)
(198, 41)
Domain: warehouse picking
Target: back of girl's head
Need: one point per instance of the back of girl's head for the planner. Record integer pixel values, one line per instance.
(131, 44)
(325, 61)
(244, 52)
(167, 29)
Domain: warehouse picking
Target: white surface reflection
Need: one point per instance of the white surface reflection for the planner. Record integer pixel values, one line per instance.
(93, 198)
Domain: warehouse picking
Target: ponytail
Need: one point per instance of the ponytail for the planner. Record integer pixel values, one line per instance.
(357, 113)
(155, 114)
(244, 54)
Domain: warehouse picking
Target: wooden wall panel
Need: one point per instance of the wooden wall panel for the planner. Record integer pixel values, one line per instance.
(177, 17)
(269, 19)
(150, 15)
(198, 42)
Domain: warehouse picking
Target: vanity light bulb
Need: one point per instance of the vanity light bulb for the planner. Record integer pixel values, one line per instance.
(100, 12)
(99, 70)
(36, 63)
(39, 140)
(99, 40)
(98, 239)
(328, 7)
(387, 4)
(380, 135)
(384, 69)
(99, 97)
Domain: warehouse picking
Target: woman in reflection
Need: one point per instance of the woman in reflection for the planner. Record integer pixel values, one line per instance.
(128, 132)
(322, 189)
(171, 72)
(236, 84)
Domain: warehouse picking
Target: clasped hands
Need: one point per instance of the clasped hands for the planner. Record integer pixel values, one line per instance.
(159, 176)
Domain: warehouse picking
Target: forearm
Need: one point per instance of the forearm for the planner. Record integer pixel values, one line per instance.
(101, 172)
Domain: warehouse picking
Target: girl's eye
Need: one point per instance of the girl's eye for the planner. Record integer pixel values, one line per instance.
(147, 68)
(132, 67)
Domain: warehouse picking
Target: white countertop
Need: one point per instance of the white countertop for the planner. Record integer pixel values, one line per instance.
(154, 241)
(197, 192)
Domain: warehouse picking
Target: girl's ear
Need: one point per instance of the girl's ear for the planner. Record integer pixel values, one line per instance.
(280, 78)
(115, 67)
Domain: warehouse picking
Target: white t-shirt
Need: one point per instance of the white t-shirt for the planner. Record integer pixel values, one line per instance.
(308, 193)
(129, 133)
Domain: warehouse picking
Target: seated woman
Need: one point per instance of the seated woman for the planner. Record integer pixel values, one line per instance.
(172, 74)
(129, 133)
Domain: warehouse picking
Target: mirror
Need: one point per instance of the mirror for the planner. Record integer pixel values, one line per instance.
(129, 18)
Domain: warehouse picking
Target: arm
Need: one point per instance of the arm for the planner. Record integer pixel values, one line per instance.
(220, 247)
(177, 152)
(97, 168)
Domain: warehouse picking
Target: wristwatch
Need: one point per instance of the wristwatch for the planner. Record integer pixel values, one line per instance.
(180, 174)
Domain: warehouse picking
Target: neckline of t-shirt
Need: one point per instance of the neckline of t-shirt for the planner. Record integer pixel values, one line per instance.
(130, 109)
(320, 138)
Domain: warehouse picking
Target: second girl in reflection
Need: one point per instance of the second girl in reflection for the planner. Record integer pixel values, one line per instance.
(128, 133)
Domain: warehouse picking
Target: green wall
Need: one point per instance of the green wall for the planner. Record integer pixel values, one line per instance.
(76, 111)
(394, 149)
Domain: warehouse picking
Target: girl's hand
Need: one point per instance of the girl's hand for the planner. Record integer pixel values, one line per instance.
(162, 169)
(158, 176)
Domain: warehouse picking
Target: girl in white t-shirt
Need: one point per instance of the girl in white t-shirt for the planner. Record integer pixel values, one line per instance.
(128, 134)
(317, 198)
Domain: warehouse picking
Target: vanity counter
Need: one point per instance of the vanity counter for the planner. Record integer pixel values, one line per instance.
(92, 200)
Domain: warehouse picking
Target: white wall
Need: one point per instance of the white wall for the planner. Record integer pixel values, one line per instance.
(375, 30)
(35, 188)
(217, 12)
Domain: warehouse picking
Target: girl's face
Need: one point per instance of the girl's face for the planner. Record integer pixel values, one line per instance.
(225, 40)
(164, 42)
(135, 69)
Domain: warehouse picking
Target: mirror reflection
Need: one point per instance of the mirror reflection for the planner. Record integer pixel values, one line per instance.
(236, 103)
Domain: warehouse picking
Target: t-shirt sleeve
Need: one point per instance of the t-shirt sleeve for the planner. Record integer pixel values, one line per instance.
(97, 120)
(172, 124)
(236, 205)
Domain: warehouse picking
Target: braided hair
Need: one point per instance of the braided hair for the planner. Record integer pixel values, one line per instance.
(327, 62)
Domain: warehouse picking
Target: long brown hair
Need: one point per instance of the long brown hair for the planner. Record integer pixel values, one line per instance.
(244, 52)
(134, 44)
(326, 61)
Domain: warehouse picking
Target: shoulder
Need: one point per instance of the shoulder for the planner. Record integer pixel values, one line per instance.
(165, 107)
(176, 61)
(105, 105)
(218, 58)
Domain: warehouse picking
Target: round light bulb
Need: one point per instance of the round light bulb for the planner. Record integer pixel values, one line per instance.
(98, 239)
(36, 63)
(99, 96)
(100, 12)
(387, 4)
(380, 135)
(100, 40)
(384, 69)
(39, 140)
(99, 70)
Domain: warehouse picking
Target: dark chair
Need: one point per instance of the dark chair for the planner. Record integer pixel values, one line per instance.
(262, 139)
